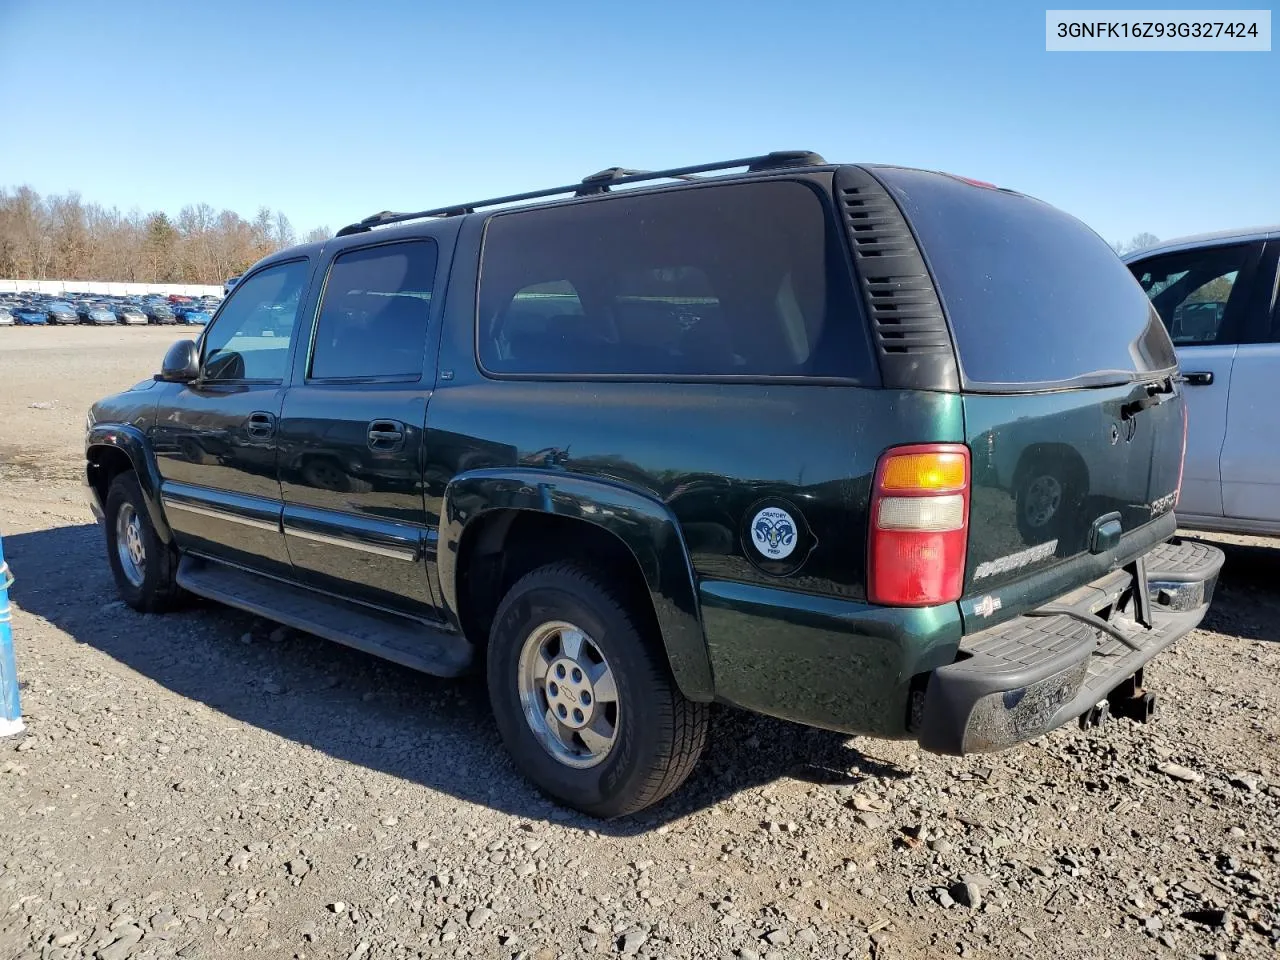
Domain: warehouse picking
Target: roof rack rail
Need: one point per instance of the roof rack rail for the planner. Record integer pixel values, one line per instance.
(597, 183)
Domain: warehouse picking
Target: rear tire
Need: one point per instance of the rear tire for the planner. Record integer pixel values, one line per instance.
(627, 737)
(143, 566)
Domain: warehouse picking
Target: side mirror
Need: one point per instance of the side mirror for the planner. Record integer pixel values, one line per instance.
(182, 363)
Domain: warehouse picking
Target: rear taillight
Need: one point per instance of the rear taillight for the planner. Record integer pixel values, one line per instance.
(1182, 460)
(919, 525)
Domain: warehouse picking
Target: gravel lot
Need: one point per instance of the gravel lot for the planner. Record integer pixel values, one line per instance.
(207, 785)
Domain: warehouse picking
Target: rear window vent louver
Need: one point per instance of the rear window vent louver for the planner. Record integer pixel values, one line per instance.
(906, 317)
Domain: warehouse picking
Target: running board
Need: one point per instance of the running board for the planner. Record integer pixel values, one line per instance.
(411, 643)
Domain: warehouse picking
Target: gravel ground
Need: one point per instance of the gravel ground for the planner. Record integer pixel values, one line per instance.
(205, 784)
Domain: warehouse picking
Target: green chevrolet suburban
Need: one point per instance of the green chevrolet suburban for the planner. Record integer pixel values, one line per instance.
(880, 450)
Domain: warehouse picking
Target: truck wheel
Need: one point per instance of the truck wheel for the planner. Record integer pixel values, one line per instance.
(585, 703)
(142, 565)
(1039, 500)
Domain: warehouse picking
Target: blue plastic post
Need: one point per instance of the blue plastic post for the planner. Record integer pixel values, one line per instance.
(10, 709)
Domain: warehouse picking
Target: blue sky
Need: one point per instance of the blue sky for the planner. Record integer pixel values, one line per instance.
(332, 111)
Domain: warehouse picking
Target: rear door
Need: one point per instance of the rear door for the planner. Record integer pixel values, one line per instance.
(1251, 451)
(215, 440)
(351, 430)
(1204, 296)
(1072, 413)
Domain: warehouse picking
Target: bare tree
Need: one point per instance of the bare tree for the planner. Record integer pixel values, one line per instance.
(284, 235)
(1139, 242)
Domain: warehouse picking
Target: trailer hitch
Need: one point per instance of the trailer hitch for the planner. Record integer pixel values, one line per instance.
(1130, 699)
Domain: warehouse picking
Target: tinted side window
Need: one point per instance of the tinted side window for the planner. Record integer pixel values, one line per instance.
(736, 279)
(1196, 292)
(250, 340)
(373, 316)
(1269, 275)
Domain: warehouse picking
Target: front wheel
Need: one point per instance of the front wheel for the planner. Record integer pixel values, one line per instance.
(584, 699)
(143, 566)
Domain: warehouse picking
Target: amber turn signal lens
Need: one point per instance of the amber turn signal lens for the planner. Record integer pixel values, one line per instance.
(924, 472)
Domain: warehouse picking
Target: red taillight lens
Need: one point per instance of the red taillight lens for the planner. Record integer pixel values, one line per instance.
(1182, 461)
(975, 183)
(919, 525)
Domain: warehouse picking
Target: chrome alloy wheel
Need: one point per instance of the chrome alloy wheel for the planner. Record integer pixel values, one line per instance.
(568, 693)
(129, 546)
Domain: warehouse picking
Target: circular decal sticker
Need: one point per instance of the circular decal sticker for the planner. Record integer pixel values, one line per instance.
(774, 533)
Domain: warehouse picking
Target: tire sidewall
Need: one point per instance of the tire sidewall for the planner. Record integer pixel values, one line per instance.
(124, 490)
(606, 788)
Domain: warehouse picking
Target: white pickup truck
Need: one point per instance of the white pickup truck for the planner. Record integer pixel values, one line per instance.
(1217, 294)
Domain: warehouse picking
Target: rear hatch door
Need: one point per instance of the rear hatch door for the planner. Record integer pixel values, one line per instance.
(1072, 408)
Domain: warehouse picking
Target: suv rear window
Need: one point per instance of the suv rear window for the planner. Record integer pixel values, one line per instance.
(728, 280)
(1033, 296)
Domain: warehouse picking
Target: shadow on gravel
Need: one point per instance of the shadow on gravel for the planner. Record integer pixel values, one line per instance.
(1246, 602)
(366, 711)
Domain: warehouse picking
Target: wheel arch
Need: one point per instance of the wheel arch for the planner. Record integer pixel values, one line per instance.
(497, 524)
(112, 449)
(1037, 454)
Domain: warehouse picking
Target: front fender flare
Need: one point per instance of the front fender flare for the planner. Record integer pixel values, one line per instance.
(133, 443)
(643, 524)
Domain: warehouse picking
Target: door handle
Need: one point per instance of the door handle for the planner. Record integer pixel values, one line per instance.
(260, 425)
(385, 434)
(1201, 378)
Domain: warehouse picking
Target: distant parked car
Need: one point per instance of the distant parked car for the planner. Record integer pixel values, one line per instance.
(130, 314)
(6, 317)
(192, 315)
(61, 312)
(98, 314)
(229, 285)
(30, 315)
(1215, 294)
(160, 313)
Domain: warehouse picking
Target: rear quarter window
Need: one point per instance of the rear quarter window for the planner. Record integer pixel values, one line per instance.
(1032, 295)
(745, 280)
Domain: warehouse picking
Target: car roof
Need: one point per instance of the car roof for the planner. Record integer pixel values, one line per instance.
(1213, 238)
(424, 224)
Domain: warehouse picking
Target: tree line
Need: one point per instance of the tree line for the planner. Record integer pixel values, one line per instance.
(64, 238)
